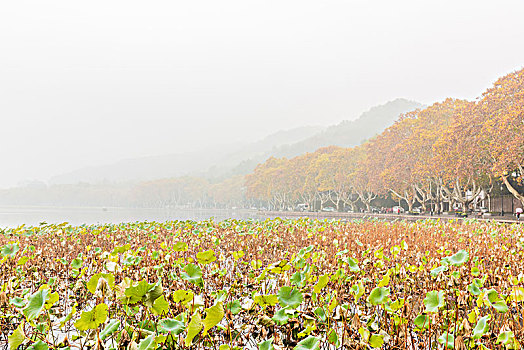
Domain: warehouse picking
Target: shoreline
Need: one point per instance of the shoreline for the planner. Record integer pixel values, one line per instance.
(388, 217)
(16, 215)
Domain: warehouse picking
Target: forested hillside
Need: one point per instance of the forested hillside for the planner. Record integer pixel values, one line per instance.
(454, 152)
(212, 177)
(351, 133)
(222, 161)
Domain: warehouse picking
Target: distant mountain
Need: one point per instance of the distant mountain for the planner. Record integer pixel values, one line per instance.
(221, 158)
(218, 162)
(351, 133)
(347, 133)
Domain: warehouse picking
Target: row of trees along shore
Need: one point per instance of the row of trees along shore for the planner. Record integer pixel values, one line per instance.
(454, 152)
(180, 192)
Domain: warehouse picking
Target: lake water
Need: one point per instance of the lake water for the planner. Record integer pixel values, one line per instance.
(13, 216)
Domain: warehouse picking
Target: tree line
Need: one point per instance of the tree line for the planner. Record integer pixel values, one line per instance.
(454, 152)
(180, 192)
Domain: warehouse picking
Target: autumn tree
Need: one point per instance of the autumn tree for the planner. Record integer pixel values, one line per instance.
(364, 176)
(392, 162)
(501, 110)
(461, 162)
(427, 171)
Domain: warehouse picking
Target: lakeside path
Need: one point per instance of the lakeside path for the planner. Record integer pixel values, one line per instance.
(388, 217)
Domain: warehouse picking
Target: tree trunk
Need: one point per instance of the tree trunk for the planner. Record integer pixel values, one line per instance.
(513, 190)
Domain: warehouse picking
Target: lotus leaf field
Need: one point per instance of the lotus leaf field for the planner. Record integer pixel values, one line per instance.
(274, 284)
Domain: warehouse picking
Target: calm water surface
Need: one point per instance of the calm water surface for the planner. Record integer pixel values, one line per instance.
(14, 216)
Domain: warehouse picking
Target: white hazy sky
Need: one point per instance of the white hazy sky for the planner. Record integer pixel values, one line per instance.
(91, 82)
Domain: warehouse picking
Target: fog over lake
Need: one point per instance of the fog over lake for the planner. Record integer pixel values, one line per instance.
(174, 104)
(88, 84)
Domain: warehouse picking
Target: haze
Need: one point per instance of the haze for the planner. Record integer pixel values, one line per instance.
(95, 82)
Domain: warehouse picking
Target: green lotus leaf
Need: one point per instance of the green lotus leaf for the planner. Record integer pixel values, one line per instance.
(183, 296)
(17, 338)
(307, 331)
(353, 265)
(239, 254)
(298, 279)
(266, 345)
(376, 341)
(39, 345)
(497, 302)
(508, 339)
(136, 293)
(92, 284)
(438, 270)
(290, 297)
(474, 289)
(180, 247)
(235, 307)
(17, 302)
(481, 328)
(35, 304)
(92, 319)
(385, 280)
(267, 299)
(321, 283)
(109, 329)
(421, 321)
(394, 306)
(281, 317)
(147, 343)
(206, 257)
(310, 343)
(153, 294)
(434, 301)
(131, 260)
(320, 313)
(194, 327)
(51, 300)
(357, 290)
(10, 250)
(299, 262)
(333, 338)
(195, 304)
(379, 296)
(445, 261)
(364, 333)
(122, 249)
(22, 261)
(192, 273)
(174, 326)
(459, 258)
(77, 263)
(220, 295)
(500, 306)
(279, 267)
(160, 306)
(448, 340)
(214, 315)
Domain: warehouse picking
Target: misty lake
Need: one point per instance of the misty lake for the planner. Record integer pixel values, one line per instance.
(13, 216)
